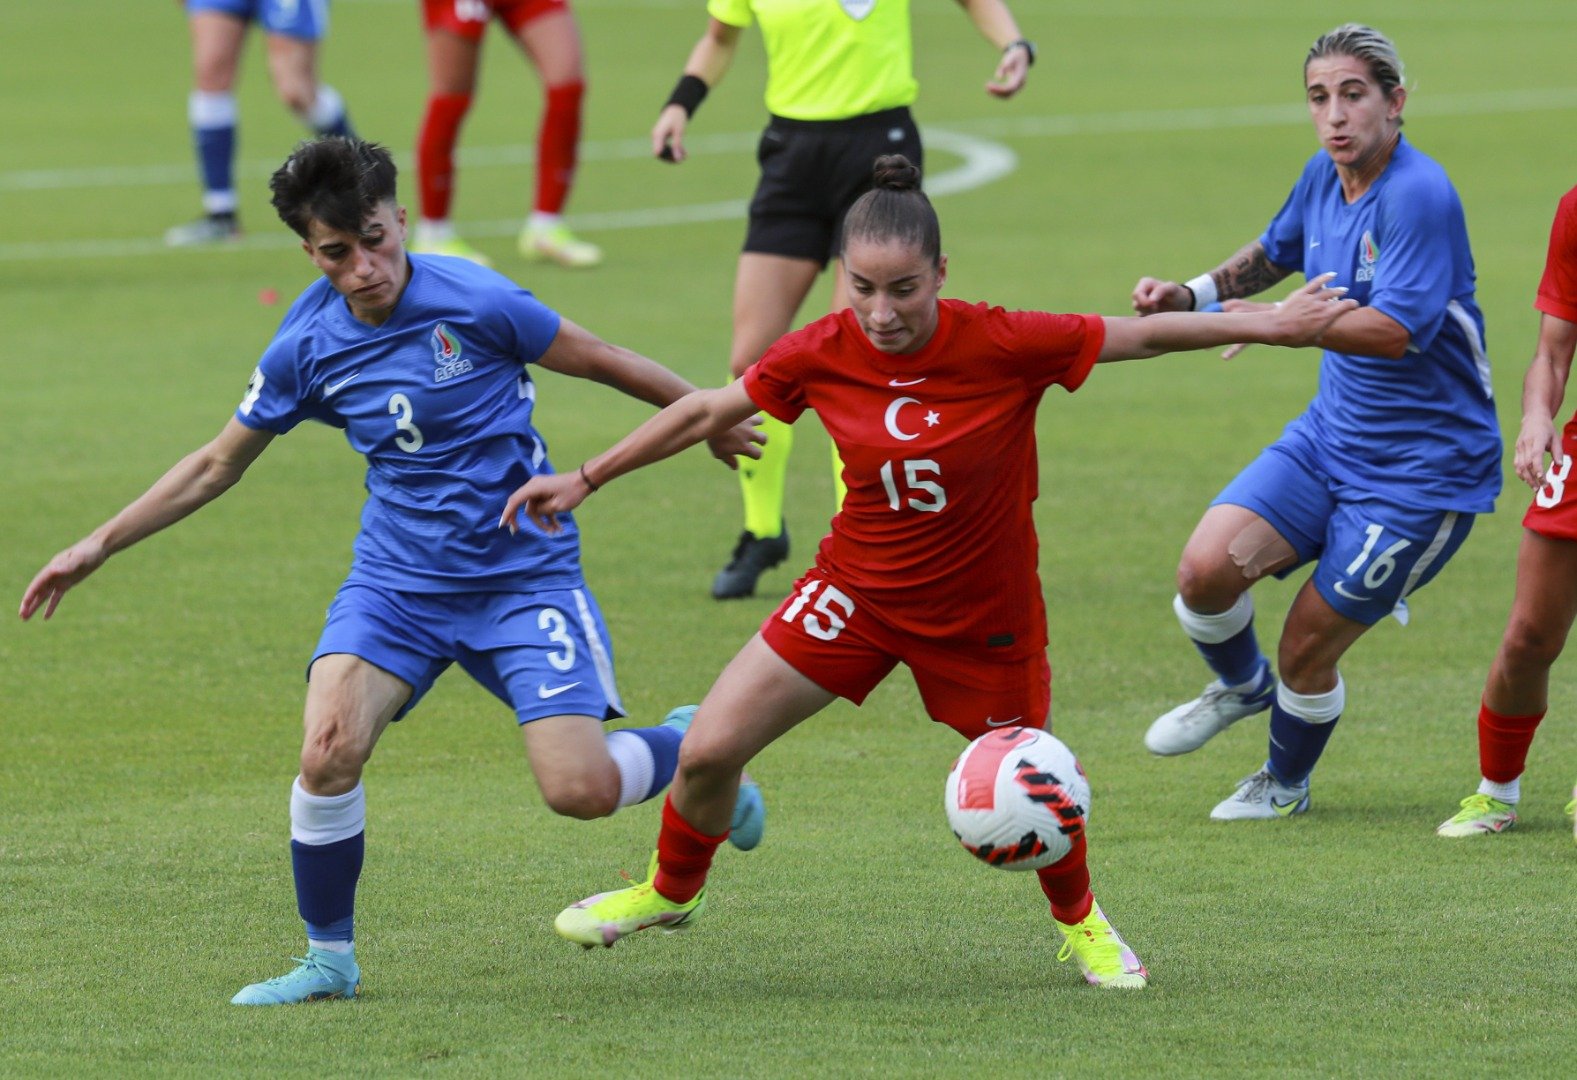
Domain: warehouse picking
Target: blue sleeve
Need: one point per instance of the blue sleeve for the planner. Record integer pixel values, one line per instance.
(1415, 266)
(1283, 237)
(273, 398)
(531, 324)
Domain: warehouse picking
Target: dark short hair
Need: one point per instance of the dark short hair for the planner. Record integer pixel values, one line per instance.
(895, 209)
(335, 179)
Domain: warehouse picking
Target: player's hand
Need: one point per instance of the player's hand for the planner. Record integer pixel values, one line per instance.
(543, 498)
(1537, 438)
(1153, 295)
(1011, 72)
(64, 571)
(741, 440)
(668, 134)
(1303, 317)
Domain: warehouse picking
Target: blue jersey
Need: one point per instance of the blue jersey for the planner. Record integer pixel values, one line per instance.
(439, 400)
(1419, 431)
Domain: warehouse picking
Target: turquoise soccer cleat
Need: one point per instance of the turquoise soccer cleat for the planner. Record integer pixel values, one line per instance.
(750, 809)
(321, 975)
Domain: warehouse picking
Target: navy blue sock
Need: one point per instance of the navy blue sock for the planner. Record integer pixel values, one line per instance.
(663, 741)
(1295, 745)
(1236, 660)
(216, 156)
(326, 876)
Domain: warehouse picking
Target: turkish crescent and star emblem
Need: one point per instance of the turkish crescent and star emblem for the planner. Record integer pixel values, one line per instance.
(894, 419)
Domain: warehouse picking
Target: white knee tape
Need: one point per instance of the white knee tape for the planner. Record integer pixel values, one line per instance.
(1214, 629)
(326, 819)
(1314, 708)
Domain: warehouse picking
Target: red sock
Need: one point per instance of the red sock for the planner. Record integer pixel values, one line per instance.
(558, 141)
(435, 152)
(1066, 884)
(1503, 743)
(684, 855)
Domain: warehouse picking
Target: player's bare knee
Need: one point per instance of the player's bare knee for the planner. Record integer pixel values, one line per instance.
(584, 798)
(1530, 646)
(331, 762)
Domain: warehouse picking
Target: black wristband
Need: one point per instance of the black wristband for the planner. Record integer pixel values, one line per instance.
(587, 480)
(1029, 47)
(1193, 301)
(688, 93)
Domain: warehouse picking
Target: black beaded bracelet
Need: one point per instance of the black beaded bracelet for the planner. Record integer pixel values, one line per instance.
(688, 94)
(1029, 47)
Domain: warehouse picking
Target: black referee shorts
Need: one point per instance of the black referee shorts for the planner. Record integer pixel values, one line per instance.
(811, 173)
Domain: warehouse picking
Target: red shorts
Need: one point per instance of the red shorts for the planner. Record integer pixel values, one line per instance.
(1554, 510)
(846, 650)
(469, 18)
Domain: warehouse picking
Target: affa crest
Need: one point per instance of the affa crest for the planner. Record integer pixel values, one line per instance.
(447, 359)
(1368, 255)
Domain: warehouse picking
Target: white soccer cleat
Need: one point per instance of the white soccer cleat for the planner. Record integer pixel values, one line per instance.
(1191, 725)
(1261, 797)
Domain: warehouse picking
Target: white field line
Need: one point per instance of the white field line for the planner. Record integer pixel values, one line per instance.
(984, 162)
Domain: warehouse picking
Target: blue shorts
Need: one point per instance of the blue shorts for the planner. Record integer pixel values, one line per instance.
(542, 654)
(1372, 552)
(304, 19)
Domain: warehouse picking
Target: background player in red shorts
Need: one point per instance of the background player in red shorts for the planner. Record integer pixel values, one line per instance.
(547, 34)
(932, 561)
(1516, 693)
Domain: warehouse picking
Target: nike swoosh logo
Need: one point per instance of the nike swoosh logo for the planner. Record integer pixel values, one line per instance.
(1285, 809)
(546, 691)
(1313, 244)
(333, 388)
(1339, 587)
(906, 382)
(1002, 723)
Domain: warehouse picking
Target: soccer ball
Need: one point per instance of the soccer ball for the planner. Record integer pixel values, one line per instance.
(1017, 798)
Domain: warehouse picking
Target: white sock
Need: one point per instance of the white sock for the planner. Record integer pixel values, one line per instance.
(434, 231)
(540, 220)
(332, 946)
(1509, 792)
(636, 766)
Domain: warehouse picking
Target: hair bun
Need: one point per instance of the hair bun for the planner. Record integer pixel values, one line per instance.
(894, 172)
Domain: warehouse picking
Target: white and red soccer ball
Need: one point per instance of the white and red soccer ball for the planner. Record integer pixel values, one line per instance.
(1017, 798)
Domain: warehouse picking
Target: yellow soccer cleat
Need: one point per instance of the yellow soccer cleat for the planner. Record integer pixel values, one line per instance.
(453, 247)
(607, 917)
(1103, 955)
(1480, 814)
(555, 243)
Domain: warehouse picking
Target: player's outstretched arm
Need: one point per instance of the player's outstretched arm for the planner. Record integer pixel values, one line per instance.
(1303, 318)
(709, 61)
(1245, 274)
(996, 24)
(577, 351)
(1543, 390)
(693, 418)
(197, 479)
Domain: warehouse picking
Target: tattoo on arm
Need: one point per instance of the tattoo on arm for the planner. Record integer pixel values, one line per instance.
(1247, 273)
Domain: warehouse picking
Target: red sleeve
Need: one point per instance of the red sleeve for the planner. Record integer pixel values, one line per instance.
(776, 381)
(1052, 350)
(1558, 288)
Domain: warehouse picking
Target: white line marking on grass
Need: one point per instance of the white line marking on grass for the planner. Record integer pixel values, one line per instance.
(984, 162)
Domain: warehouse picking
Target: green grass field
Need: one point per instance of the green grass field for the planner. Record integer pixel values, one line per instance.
(149, 733)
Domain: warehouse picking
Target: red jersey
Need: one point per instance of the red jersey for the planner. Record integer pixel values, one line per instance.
(1558, 288)
(938, 446)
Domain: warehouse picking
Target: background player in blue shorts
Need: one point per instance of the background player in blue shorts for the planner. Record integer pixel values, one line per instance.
(218, 29)
(423, 362)
(1377, 483)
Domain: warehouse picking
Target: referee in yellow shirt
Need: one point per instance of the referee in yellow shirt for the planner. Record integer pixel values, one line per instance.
(840, 80)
